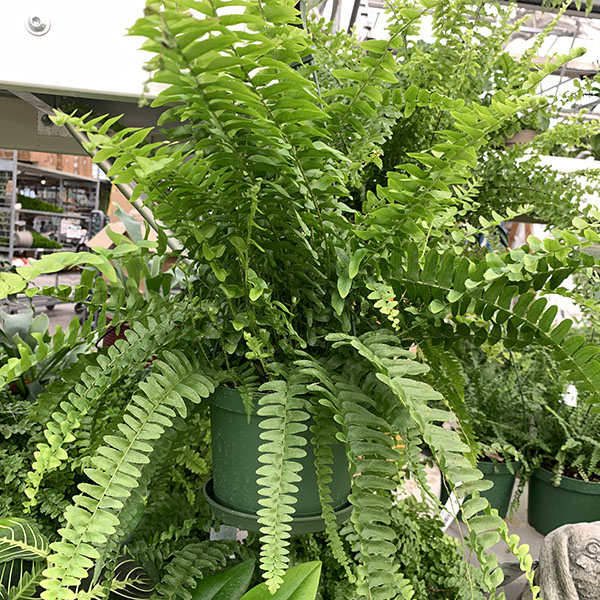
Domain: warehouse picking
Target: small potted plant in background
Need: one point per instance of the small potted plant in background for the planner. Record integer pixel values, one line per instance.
(563, 461)
(503, 393)
(500, 417)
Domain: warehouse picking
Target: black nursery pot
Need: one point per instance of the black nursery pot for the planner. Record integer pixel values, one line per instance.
(233, 491)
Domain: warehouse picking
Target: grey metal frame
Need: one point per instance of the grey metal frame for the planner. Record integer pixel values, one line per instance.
(13, 204)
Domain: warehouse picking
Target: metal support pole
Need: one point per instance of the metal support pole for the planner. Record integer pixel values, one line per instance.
(61, 193)
(97, 198)
(353, 15)
(13, 206)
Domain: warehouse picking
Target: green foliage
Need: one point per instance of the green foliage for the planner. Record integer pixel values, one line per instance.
(41, 241)
(329, 215)
(565, 436)
(96, 511)
(503, 394)
(187, 566)
(431, 560)
(23, 555)
(37, 204)
(226, 585)
(285, 412)
(23, 550)
(100, 372)
(24, 335)
(299, 583)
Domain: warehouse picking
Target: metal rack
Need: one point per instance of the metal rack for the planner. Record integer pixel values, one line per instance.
(78, 195)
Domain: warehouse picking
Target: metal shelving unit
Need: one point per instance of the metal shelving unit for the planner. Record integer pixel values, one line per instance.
(77, 195)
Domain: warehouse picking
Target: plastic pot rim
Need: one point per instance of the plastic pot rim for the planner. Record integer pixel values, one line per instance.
(567, 483)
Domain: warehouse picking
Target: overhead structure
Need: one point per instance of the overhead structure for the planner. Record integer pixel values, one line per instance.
(69, 55)
(575, 8)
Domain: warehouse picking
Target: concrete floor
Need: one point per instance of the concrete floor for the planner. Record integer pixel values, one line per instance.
(62, 314)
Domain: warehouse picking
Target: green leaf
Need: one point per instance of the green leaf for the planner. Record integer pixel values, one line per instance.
(220, 274)
(20, 539)
(299, 583)
(355, 262)
(349, 74)
(22, 580)
(227, 585)
(344, 284)
(255, 293)
(337, 303)
(239, 244)
(375, 45)
(436, 306)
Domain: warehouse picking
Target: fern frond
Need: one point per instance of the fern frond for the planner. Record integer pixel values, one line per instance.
(447, 373)
(325, 430)
(187, 566)
(498, 290)
(285, 413)
(141, 343)
(397, 369)
(376, 461)
(92, 519)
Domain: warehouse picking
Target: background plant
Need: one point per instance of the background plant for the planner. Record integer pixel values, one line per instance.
(504, 391)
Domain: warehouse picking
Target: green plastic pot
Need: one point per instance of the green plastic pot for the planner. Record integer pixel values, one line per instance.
(573, 501)
(233, 491)
(500, 494)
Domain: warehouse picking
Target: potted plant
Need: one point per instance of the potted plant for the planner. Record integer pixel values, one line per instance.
(299, 295)
(564, 475)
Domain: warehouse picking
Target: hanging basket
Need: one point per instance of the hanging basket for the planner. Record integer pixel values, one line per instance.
(521, 137)
(232, 493)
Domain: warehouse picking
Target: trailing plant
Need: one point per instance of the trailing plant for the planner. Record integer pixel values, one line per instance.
(309, 279)
(430, 559)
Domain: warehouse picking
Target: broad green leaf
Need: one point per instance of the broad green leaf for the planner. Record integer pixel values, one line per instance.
(227, 585)
(220, 274)
(344, 284)
(355, 261)
(337, 303)
(20, 539)
(299, 583)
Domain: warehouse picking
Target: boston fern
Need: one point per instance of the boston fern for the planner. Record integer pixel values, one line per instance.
(304, 282)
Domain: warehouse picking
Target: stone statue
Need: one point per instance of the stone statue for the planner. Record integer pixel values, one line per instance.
(569, 564)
